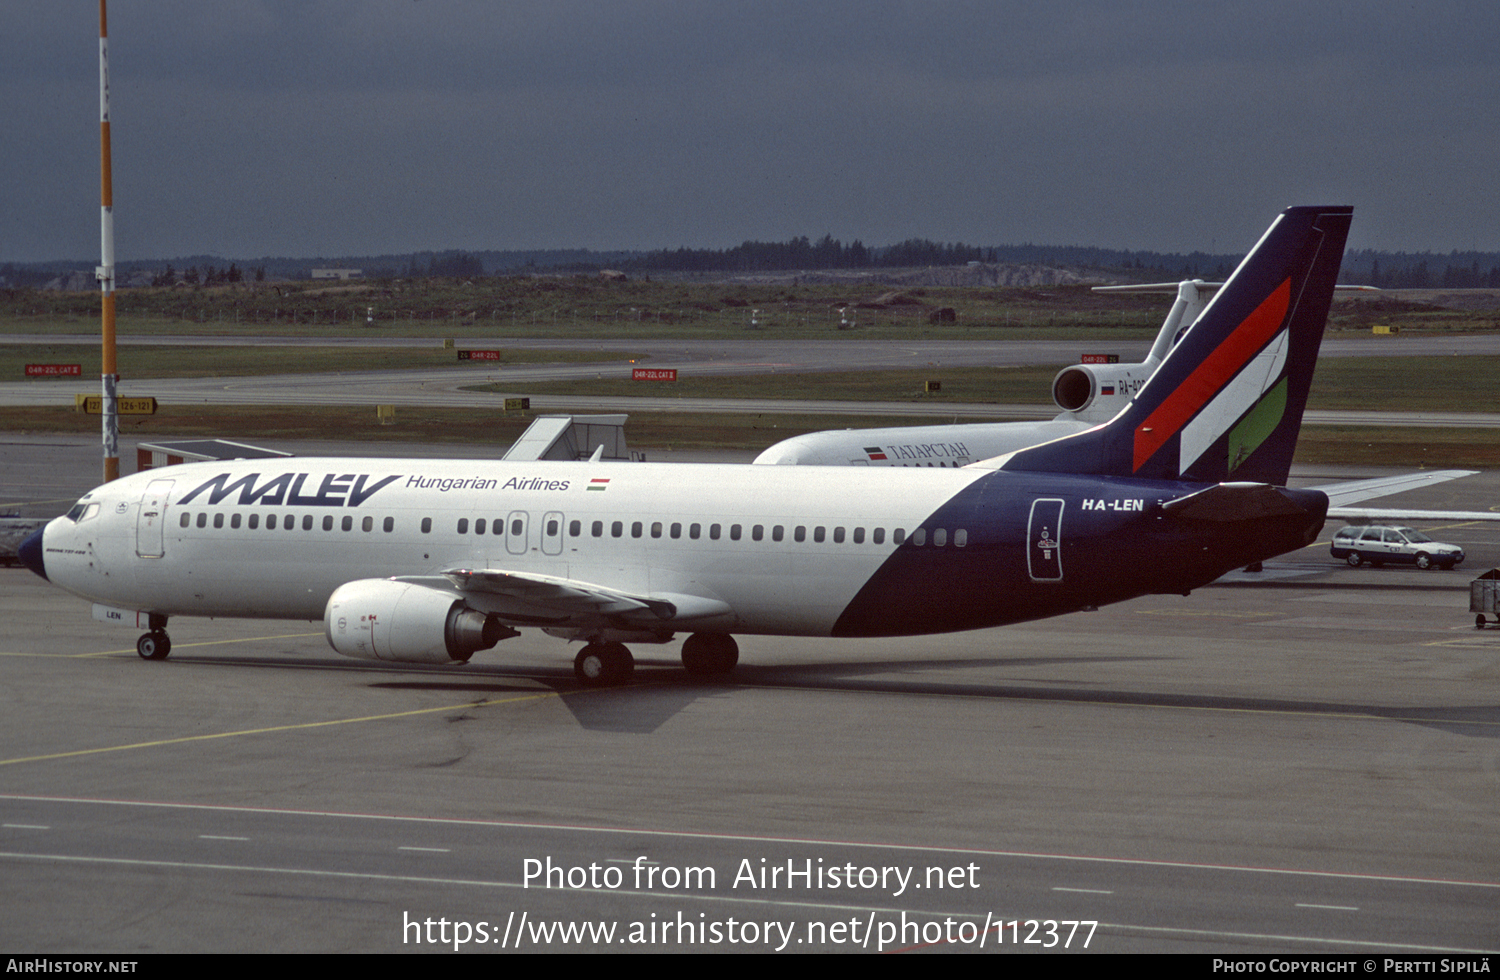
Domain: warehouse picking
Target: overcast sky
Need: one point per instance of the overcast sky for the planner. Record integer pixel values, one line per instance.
(333, 127)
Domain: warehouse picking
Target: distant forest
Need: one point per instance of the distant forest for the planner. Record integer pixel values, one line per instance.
(1389, 270)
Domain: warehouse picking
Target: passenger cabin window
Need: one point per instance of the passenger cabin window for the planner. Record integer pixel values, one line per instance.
(254, 521)
(307, 522)
(218, 520)
(898, 535)
(426, 525)
(186, 519)
(479, 525)
(777, 533)
(734, 532)
(463, 525)
(327, 522)
(390, 524)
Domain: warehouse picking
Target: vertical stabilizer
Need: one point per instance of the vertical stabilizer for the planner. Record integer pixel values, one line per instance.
(1227, 402)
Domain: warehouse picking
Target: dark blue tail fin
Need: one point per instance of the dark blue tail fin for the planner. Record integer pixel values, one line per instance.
(1227, 402)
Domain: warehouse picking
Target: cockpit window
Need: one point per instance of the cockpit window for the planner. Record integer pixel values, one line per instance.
(82, 511)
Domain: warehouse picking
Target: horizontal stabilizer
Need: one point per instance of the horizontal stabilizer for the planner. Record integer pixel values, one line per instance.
(1234, 502)
(1385, 515)
(1355, 491)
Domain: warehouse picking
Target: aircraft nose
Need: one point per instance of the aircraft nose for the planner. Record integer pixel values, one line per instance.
(30, 552)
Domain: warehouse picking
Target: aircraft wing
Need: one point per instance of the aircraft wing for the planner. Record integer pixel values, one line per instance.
(1342, 497)
(530, 597)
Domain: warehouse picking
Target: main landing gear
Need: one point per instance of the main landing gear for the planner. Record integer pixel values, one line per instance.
(710, 654)
(603, 664)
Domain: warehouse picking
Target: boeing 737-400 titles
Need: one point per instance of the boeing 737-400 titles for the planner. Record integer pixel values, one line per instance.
(433, 561)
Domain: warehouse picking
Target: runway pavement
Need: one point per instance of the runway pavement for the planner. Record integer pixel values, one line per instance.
(1303, 760)
(449, 387)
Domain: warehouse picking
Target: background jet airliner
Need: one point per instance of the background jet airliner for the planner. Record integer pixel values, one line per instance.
(1088, 394)
(432, 561)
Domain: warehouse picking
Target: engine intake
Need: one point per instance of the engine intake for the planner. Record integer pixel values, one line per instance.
(382, 619)
(1096, 393)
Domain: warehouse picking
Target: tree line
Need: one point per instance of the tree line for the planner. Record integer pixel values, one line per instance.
(1387, 270)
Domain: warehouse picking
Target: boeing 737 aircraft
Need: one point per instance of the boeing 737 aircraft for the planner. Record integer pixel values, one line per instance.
(432, 561)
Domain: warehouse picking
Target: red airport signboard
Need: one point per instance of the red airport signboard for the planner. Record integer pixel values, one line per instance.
(479, 355)
(54, 370)
(1099, 359)
(653, 374)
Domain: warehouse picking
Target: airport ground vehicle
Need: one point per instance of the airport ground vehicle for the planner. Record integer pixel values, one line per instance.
(1383, 544)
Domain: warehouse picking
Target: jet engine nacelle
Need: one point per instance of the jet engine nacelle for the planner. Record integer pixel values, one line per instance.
(1097, 392)
(383, 619)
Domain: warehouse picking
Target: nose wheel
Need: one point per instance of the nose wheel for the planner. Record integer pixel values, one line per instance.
(154, 645)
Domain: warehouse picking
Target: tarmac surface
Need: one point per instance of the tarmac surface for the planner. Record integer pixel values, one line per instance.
(451, 386)
(1303, 760)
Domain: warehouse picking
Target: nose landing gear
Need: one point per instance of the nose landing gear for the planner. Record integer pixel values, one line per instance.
(154, 645)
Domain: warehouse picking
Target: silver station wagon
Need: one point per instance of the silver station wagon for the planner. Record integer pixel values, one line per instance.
(1381, 544)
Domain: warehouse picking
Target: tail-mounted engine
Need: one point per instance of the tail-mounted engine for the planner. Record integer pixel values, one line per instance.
(383, 619)
(1097, 392)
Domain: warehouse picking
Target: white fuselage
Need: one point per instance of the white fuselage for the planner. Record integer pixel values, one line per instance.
(927, 446)
(276, 538)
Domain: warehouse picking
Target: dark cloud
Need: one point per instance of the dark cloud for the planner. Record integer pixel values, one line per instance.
(253, 128)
